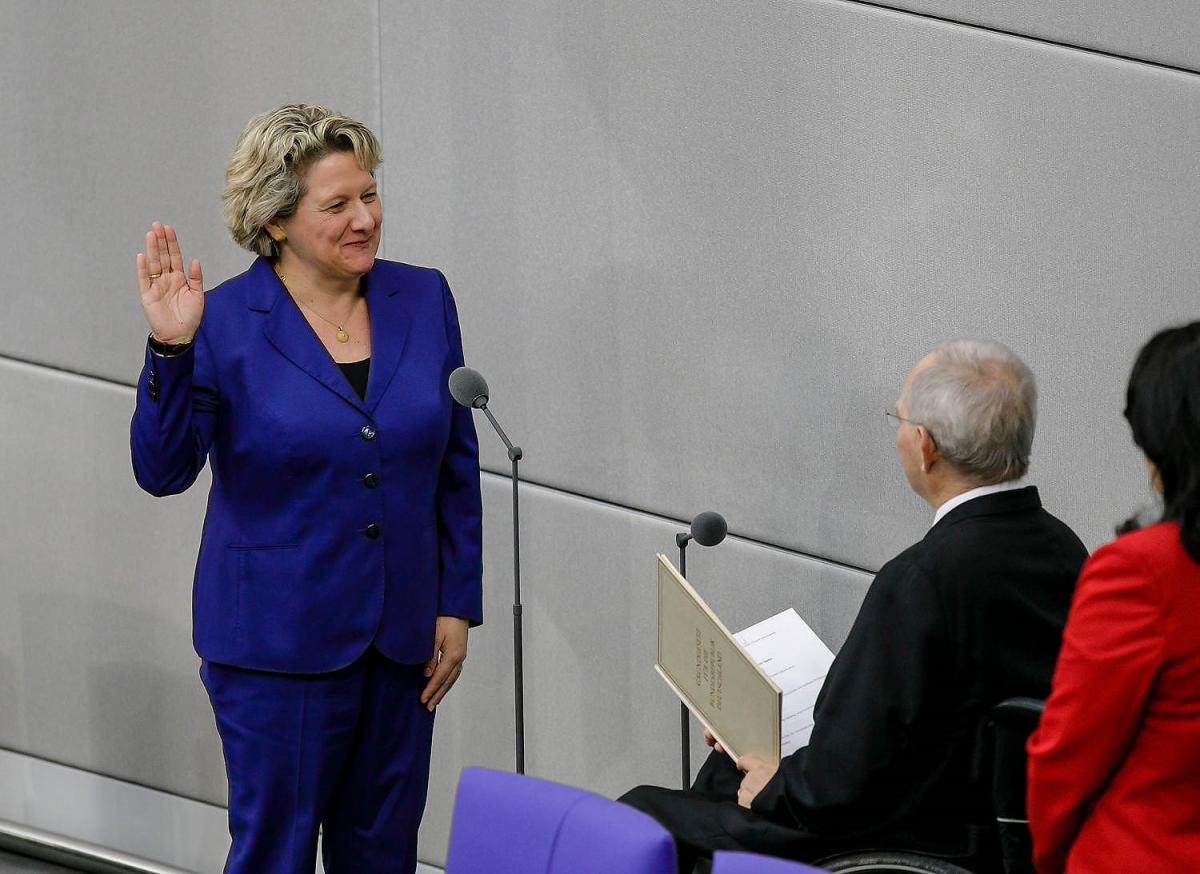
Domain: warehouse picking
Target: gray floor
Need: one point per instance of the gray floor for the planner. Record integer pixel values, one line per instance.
(11, 864)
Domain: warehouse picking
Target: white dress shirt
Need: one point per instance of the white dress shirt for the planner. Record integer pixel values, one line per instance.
(971, 494)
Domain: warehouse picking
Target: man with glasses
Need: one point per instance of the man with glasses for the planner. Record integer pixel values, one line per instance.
(970, 615)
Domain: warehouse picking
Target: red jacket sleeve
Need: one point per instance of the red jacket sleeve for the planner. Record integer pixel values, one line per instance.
(1112, 650)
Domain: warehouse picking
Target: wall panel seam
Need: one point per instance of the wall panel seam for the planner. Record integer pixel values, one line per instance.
(682, 523)
(379, 98)
(559, 490)
(1090, 50)
(74, 766)
(60, 369)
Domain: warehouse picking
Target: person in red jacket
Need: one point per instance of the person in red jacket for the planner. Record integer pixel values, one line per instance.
(1114, 767)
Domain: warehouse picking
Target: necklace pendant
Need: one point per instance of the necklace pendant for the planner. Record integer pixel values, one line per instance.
(342, 336)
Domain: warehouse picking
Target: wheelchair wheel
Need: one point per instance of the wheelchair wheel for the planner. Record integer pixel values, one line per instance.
(883, 862)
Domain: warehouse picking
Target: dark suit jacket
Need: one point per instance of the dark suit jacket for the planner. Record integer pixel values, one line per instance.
(333, 522)
(970, 615)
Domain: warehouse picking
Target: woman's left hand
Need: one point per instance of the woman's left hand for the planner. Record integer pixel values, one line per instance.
(449, 653)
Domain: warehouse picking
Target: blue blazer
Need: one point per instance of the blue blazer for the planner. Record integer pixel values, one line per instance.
(333, 522)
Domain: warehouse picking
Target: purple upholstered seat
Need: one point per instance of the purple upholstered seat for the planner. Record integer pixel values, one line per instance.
(510, 824)
(751, 863)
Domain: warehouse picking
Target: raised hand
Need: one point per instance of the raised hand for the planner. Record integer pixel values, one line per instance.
(172, 300)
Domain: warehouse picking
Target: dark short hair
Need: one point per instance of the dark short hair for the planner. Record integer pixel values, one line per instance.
(1162, 406)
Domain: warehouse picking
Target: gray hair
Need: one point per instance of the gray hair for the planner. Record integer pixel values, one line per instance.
(978, 400)
(265, 177)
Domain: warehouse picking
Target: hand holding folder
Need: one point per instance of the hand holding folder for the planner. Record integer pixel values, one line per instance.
(732, 683)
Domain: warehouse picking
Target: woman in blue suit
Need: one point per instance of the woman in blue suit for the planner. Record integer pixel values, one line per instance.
(339, 567)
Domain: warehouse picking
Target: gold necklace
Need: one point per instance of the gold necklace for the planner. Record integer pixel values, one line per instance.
(342, 334)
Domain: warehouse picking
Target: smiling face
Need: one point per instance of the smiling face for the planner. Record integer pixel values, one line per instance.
(334, 232)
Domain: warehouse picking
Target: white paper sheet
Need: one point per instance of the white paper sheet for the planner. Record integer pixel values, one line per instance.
(797, 661)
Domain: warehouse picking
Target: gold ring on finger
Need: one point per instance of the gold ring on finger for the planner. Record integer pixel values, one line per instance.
(155, 275)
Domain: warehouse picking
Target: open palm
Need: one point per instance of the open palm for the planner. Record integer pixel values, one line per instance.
(172, 300)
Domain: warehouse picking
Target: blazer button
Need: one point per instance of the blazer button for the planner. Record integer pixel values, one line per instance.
(371, 480)
(373, 531)
(367, 432)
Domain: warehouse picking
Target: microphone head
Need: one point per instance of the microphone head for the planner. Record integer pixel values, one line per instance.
(709, 528)
(469, 388)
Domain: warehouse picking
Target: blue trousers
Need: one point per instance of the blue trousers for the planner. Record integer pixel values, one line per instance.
(347, 752)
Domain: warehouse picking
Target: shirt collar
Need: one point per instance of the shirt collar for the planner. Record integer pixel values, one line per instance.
(971, 494)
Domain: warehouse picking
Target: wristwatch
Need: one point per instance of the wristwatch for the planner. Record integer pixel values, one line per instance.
(167, 350)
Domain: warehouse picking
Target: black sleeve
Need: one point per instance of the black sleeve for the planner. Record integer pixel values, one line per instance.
(878, 685)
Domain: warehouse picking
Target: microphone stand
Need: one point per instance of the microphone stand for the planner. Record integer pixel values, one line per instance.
(515, 455)
(685, 716)
(707, 529)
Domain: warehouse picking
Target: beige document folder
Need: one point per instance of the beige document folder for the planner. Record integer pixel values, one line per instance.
(711, 673)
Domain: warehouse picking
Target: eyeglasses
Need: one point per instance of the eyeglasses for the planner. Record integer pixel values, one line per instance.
(895, 419)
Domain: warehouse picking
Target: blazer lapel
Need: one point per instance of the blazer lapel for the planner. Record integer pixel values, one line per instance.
(390, 323)
(286, 329)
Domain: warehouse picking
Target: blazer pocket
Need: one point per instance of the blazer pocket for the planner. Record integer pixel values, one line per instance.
(267, 578)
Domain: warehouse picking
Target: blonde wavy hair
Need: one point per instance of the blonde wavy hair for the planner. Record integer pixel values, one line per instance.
(265, 177)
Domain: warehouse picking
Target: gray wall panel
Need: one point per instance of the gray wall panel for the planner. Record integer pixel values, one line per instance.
(119, 113)
(696, 247)
(96, 663)
(1160, 31)
(596, 713)
(97, 669)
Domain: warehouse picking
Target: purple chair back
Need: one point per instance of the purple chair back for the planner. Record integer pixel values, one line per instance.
(751, 863)
(510, 824)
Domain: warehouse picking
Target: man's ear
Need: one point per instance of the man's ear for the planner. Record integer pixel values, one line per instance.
(929, 451)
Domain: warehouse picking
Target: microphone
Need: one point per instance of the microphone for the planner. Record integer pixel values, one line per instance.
(470, 389)
(707, 529)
